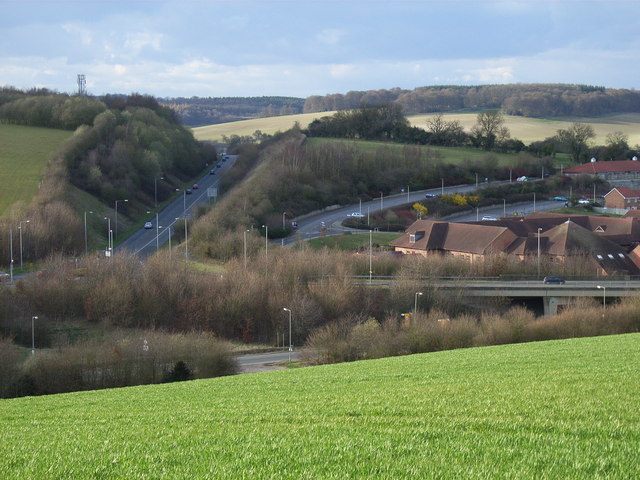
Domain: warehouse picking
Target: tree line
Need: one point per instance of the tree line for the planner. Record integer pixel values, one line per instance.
(530, 100)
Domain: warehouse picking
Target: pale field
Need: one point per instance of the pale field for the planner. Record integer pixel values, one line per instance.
(525, 129)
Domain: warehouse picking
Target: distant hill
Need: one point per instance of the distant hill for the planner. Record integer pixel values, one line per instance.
(526, 100)
(197, 111)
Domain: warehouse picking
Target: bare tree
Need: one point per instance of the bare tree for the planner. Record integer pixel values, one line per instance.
(575, 139)
(489, 129)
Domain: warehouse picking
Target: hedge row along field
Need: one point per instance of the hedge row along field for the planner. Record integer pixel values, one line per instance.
(560, 409)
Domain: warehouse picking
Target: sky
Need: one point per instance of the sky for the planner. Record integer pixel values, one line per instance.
(237, 48)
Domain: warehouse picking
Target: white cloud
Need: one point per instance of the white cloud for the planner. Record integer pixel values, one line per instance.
(86, 37)
(330, 36)
(136, 42)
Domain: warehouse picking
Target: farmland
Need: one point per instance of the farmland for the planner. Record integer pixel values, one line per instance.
(24, 155)
(560, 409)
(522, 128)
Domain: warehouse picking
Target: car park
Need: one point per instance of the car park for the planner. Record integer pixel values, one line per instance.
(557, 280)
(560, 199)
(148, 225)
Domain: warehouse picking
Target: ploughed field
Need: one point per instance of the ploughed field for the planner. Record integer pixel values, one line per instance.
(557, 409)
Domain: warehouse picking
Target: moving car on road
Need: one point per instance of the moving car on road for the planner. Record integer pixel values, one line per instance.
(356, 215)
(148, 225)
(553, 280)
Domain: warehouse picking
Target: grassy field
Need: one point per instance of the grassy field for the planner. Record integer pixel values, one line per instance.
(560, 409)
(522, 128)
(24, 154)
(353, 241)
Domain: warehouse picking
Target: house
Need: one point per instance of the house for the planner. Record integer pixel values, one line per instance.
(622, 199)
(620, 173)
(604, 241)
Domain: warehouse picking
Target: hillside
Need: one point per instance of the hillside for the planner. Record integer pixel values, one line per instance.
(24, 155)
(560, 409)
(525, 129)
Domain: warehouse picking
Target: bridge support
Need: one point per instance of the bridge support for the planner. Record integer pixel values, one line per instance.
(551, 304)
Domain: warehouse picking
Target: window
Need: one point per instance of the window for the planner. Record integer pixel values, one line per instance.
(599, 257)
(610, 256)
(412, 238)
(621, 255)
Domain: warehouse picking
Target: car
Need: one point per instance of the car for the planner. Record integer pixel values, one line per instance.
(560, 199)
(195, 186)
(553, 280)
(188, 191)
(356, 215)
(212, 171)
(584, 201)
(522, 179)
(148, 225)
(218, 165)
(486, 218)
(431, 195)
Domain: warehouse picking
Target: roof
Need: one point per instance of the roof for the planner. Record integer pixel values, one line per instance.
(626, 192)
(615, 166)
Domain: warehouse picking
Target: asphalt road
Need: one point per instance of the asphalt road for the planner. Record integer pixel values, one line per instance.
(262, 362)
(329, 222)
(144, 242)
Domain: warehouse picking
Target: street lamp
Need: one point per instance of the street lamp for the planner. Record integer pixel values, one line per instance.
(245, 248)
(155, 190)
(11, 253)
(539, 230)
(442, 188)
(33, 334)
(266, 242)
(109, 240)
(125, 200)
(408, 194)
(415, 303)
(86, 248)
(381, 202)
(283, 221)
(20, 228)
(604, 298)
(290, 345)
(157, 233)
(370, 257)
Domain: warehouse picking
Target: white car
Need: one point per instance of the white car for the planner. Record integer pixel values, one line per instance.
(584, 201)
(356, 215)
(148, 225)
(486, 218)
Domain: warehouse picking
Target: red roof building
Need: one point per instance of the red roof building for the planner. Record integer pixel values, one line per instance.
(618, 172)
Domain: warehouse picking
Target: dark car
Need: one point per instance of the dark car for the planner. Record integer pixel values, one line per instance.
(212, 171)
(188, 191)
(553, 280)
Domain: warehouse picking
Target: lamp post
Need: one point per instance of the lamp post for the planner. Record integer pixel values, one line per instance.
(539, 230)
(33, 334)
(245, 248)
(157, 233)
(290, 345)
(86, 248)
(476, 181)
(125, 200)
(186, 240)
(504, 207)
(169, 234)
(534, 202)
(415, 303)
(408, 194)
(604, 298)
(442, 188)
(283, 221)
(510, 175)
(20, 228)
(109, 246)
(381, 202)
(155, 190)
(370, 257)
(11, 253)
(266, 242)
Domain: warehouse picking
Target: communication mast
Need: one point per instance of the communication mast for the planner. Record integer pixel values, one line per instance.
(82, 84)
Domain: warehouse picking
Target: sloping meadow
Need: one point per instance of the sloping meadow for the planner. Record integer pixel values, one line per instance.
(560, 409)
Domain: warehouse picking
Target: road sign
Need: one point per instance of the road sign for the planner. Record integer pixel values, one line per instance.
(212, 192)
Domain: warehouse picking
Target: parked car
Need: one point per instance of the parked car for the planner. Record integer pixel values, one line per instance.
(488, 218)
(430, 195)
(560, 199)
(212, 171)
(553, 280)
(148, 225)
(356, 215)
(522, 179)
(584, 201)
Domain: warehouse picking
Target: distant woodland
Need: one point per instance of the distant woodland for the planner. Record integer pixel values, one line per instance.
(529, 100)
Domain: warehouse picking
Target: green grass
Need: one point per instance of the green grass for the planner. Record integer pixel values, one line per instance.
(522, 128)
(560, 409)
(353, 241)
(24, 155)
